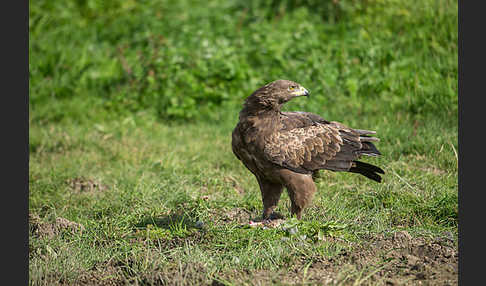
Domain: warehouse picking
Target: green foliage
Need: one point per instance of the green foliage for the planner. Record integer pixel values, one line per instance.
(314, 230)
(181, 62)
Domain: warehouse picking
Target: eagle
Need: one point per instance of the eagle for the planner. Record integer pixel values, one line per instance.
(287, 149)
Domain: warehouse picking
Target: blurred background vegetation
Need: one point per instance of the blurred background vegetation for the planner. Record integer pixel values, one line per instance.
(197, 60)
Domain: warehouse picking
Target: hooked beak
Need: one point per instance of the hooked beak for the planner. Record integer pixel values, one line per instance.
(301, 92)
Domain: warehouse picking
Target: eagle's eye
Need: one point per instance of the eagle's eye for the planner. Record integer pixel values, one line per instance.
(292, 87)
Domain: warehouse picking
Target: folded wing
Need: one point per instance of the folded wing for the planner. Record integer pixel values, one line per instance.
(307, 143)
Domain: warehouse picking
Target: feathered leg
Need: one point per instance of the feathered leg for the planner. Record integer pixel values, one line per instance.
(301, 189)
(270, 196)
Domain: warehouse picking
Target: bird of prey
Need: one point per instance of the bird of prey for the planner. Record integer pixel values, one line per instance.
(287, 149)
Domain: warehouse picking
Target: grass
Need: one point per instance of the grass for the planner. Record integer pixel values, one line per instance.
(141, 98)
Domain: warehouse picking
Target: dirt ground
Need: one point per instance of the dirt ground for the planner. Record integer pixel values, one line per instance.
(44, 229)
(399, 260)
(393, 260)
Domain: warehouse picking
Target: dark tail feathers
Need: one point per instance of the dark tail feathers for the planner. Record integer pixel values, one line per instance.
(368, 149)
(367, 170)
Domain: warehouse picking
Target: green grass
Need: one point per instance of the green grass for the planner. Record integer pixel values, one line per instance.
(142, 97)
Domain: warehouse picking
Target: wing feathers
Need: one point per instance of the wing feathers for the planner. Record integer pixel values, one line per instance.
(367, 167)
(368, 139)
(368, 170)
(364, 132)
(369, 149)
(307, 143)
(338, 165)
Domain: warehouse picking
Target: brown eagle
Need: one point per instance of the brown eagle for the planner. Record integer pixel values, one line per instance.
(287, 149)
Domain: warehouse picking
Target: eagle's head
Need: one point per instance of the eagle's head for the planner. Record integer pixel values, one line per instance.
(273, 95)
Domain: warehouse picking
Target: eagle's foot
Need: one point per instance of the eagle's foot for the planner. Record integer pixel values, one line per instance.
(272, 216)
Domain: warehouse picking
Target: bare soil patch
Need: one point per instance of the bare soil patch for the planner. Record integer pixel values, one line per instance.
(103, 275)
(231, 215)
(396, 260)
(50, 229)
(86, 185)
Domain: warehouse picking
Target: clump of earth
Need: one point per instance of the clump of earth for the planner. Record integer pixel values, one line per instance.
(39, 228)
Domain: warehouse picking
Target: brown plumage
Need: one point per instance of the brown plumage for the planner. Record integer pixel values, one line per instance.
(287, 149)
